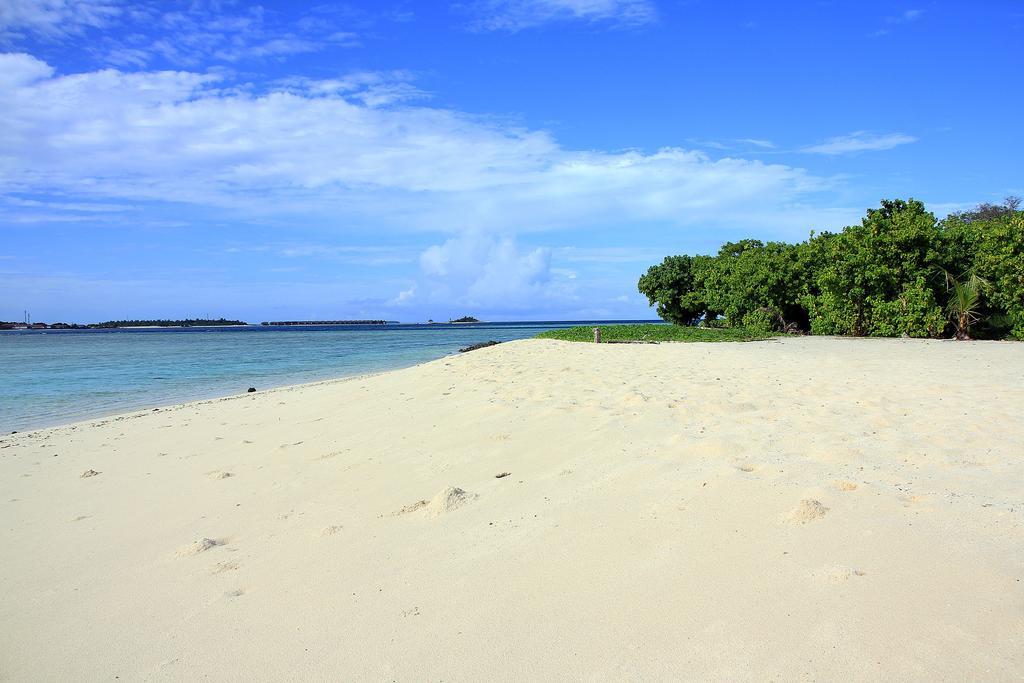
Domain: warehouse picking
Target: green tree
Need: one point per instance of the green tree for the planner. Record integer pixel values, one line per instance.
(749, 275)
(991, 244)
(882, 277)
(876, 277)
(672, 287)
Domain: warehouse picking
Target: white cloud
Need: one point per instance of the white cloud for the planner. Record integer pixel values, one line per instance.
(764, 144)
(515, 15)
(372, 88)
(191, 35)
(18, 70)
(326, 153)
(860, 141)
(53, 18)
(480, 270)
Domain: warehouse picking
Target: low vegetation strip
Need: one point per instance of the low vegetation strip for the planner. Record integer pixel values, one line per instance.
(654, 333)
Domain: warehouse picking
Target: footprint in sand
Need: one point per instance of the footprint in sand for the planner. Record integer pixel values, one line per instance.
(746, 468)
(806, 511)
(88, 473)
(222, 567)
(917, 498)
(331, 530)
(200, 546)
(844, 485)
(218, 474)
(332, 454)
(448, 500)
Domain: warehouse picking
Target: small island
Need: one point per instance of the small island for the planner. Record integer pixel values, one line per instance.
(116, 324)
(192, 322)
(465, 319)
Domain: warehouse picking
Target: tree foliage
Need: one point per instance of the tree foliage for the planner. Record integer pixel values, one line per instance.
(883, 277)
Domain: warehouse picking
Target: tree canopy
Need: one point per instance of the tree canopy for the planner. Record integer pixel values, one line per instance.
(896, 273)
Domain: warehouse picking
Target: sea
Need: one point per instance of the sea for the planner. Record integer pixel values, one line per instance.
(53, 377)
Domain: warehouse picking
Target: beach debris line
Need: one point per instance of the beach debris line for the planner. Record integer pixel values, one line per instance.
(481, 345)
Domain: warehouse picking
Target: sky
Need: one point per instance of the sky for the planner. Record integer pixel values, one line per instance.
(507, 159)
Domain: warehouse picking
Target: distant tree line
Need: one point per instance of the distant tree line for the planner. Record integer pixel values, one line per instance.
(196, 322)
(899, 272)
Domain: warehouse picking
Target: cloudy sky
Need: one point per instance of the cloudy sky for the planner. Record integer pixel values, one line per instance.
(510, 159)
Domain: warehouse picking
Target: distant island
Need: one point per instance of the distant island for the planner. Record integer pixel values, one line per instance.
(6, 325)
(111, 324)
(326, 322)
(465, 319)
(196, 322)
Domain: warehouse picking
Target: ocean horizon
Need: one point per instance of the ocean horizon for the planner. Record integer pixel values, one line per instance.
(55, 377)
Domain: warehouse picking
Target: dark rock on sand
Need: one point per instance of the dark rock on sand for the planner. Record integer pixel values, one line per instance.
(481, 345)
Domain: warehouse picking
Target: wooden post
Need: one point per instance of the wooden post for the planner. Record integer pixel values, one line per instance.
(597, 335)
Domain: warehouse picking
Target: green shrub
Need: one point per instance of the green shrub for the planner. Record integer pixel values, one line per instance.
(882, 277)
(764, 320)
(914, 313)
(874, 273)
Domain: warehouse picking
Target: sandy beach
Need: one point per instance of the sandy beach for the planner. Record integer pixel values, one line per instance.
(795, 509)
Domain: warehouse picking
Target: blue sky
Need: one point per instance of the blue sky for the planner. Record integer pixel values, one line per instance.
(510, 159)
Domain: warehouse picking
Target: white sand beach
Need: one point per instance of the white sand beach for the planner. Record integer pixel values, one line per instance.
(796, 509)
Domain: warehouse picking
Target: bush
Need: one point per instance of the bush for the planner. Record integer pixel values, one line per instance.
(883, 277)
(875, 271)
(764, 320)
(914, 313)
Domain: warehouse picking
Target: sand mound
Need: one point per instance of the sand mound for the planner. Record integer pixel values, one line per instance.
(807, 511)
(452, 498)
(200, 546)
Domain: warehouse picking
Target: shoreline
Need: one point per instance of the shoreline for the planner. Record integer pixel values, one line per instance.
(97, 420)
(537, 509)
(144, 409)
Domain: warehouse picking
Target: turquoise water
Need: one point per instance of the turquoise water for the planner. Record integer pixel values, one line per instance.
(58, 376)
